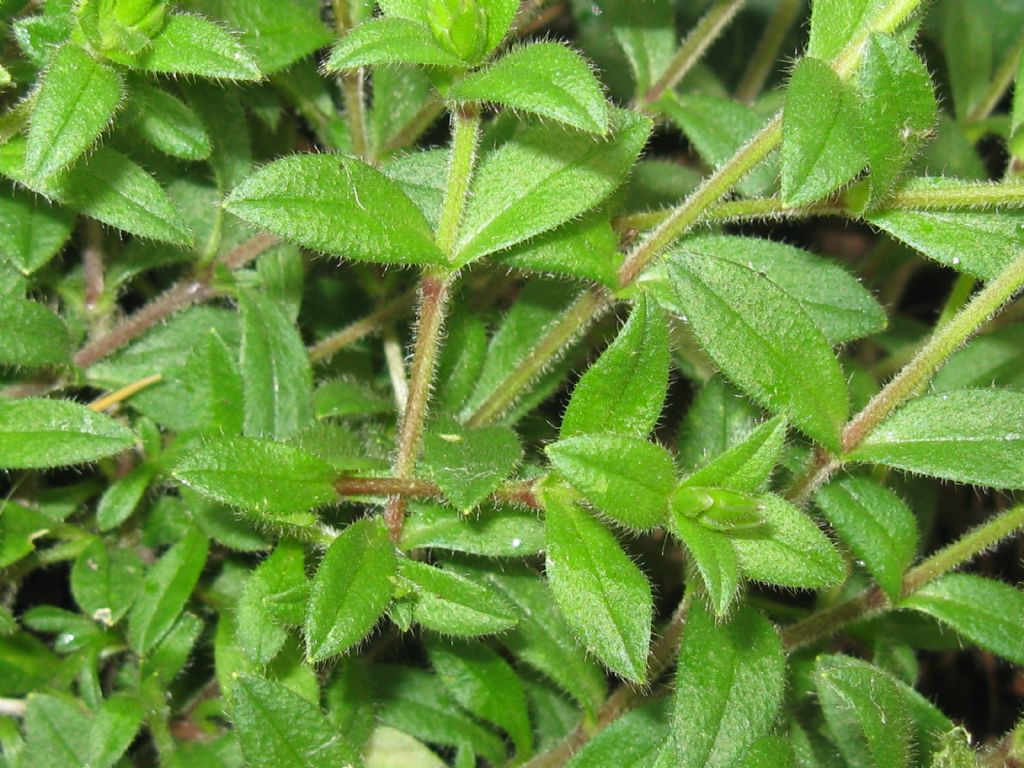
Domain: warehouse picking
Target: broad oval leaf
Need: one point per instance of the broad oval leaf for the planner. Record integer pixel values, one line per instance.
(191, 45)
(390, 40)
(351, 590)
(547, 79)
(451, 604)
(764, 341)
(265, 478)
(39, 433)
(468, 464)
(337, 205)
(604, 597)
(105, 581)
(494, 532)
(31, 335)
(930, 436)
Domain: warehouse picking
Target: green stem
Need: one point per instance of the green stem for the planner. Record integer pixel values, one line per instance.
(1000, 84)
(584, 311)
(353, 86)
(360, 329)
(465, 138)
(704, 33)
(760, 65)
(958, 297)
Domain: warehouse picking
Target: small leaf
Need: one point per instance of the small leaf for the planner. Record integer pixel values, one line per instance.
(113, 730)
(166, 122)
(763, 340)
(866, 713)
(822, 145)
(31, 335)
(604, 597)
(351, 589)
(547, 79)
(492, 533)
(987, 612)
(588, 248)
(192, 45)
(625, 478)
(646, 32)
(930, 436)
(122, 497)
(166, 589)
(747, 465)
(77, 99)
(214, 386)
(337, 205)
(390, 40)
(268, 479)
(451, 604)
(469, 464)
(624, 391)
(559, 176)
(105, 581)
(279, 729)
(789, 549)
(632, 741)
(37, 433)
(877, 526)
(727, 699)
(32, 231)
(714, 557)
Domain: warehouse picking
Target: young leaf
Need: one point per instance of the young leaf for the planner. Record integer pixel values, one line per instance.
(268, 479)
(192, 45)
(632, 373)
(822, 145)
(547, 79)
(985, 611)
(105, 581)
(351, 589)
(390, 40)
(625, 478)
(714, 557)
(279, 729)
(166, 589)
(37, 433)
(451, 604)
(877, 526)
(930, 436)
(468, 464)
(77, 99)
(788, 549)
(277, 378)
(121, 498)
(898, 108)
(747, 465)
(337, 205)
(492, 533)
(32, 231)
(763, 340)
(604, 597)
(724, 700)
(866, 713)
(167, 123)
(31, 335)
(558, 176)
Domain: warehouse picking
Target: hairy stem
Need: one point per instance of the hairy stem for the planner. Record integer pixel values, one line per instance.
(92, 265)
(465, 138)
(353, 86)
(760, 65)
(376, 321)
(520, 493)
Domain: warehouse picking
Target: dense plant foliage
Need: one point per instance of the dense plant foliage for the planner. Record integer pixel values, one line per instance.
(656, 448)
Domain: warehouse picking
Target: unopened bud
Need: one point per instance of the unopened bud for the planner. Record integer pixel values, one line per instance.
(460, 26)
(121, 29)
(719, 508)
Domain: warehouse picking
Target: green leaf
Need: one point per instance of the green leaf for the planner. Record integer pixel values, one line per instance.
(588, 248)
(604, 597)
(558, 176)
(37, 433)
(486, 685)
(259, 636)
(647, 35)
(113, 730)
(20, 528)
(390, 40)
(76, 101)
(337, 205)
(165, 591)
(967, 38)
(166, 122)
(277, 377)
(105, 581)
(268, 479)
(283, 584)
(624, 391)
(56, 732)
(763, 340)
(719, 419)
(121, 497)
(876, 524)
(192, 45)
(492, 533)
(351, 590)
(898, 108)
(835, 300)
(279, 729)
(747, 465)
(344, 398)
(978, 243)
(930, 436)
(469, 464)
(789, 549)
(214, 386)
(31, 335)
(1017, 113)
(625, 478)
(994, 359)
(835, 23)
(822, 144)
(714, 557)
(547, 79)
(866, 713)
(727, 699)
(108, 187)
(32, 231)
(987, 612)
(451, 604)
(632, 741)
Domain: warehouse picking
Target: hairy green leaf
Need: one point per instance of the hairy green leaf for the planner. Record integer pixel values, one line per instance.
(835, 23)
(747, 465)
(113, 730)
(31, 335)
(633, 741)
(32, 231)
(469, 464)
(492, 533)
(167, 123)
(37, 433)
(192, 45)
(390, 40)
(714, 557)
(57, 732)
(451, 604)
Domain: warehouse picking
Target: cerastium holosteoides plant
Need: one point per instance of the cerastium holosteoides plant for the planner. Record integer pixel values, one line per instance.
(648, 452)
